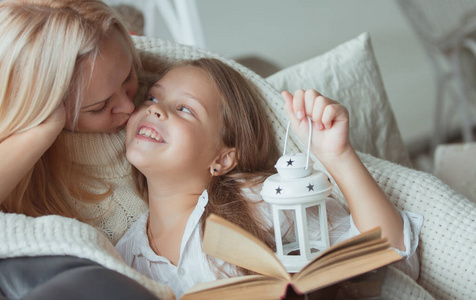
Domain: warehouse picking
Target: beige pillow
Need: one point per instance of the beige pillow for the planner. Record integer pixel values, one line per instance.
(349, 74)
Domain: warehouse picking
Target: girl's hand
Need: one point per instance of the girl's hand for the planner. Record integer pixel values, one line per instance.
(330, 122)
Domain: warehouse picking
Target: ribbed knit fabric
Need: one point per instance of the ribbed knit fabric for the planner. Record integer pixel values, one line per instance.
(102, 155)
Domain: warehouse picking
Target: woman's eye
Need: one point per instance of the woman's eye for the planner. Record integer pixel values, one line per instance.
(185, 109)
(102, 109)
(153, 99)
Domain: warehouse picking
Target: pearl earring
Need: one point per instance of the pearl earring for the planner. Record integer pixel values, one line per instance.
(212, 172)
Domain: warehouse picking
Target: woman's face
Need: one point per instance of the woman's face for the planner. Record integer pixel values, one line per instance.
(108, 99)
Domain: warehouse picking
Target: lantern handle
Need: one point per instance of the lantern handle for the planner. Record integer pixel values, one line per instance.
(308, 140)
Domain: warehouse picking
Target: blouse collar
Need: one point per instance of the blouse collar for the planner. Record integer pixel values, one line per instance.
(141, 246)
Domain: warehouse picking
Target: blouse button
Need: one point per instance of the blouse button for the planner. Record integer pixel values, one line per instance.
(181, 271)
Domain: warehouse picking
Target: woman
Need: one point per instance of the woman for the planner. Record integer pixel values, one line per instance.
(66, 65)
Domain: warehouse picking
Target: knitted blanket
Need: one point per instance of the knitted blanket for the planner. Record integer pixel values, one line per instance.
(55, 235)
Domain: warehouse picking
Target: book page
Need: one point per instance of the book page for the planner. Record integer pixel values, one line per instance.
(344, 255)
(367, 236)
(346, 269)
(229, 242)
(221, 283)
(245, 287)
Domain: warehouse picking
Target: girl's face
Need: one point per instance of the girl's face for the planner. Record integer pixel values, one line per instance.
(108, 100)
(177, 128)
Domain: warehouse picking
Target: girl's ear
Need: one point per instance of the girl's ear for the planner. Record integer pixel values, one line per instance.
(224, 163)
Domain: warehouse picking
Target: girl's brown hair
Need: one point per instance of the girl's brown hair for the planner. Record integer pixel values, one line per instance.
(43, 54)
(246, 127)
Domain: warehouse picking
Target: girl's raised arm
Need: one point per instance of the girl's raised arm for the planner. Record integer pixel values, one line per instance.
(368, 204)
(20, 152)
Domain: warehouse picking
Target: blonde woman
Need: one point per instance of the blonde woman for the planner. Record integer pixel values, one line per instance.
(67, 83)
(66, 64)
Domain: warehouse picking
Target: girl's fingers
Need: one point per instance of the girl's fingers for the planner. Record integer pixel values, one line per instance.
(309, 99)
(319, 105)
(328, 116)
(288, 107)
(323, 111)
(298, 104)
(332, 113)
(287, 96)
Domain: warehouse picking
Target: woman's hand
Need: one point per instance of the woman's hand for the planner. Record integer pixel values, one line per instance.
(21, 151)
(55, 122)
(330, 122)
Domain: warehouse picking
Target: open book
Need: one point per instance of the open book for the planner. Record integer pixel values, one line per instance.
(227, 241)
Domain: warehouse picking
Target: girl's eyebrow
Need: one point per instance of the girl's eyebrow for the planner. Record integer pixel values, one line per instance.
(158, 86)
(130, 72)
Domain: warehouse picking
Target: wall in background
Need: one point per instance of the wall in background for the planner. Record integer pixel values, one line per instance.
(286, 32)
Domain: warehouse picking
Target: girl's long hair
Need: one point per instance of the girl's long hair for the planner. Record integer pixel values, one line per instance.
(43, 54)
(247, 128)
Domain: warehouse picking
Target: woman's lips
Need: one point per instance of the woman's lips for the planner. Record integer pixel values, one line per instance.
(125, 123)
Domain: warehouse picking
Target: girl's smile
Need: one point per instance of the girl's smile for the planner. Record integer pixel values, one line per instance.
(149, 134)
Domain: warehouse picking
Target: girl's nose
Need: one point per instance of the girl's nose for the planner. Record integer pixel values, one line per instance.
(157, 110)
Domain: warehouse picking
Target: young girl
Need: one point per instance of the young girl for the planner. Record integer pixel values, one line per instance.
(201, 140)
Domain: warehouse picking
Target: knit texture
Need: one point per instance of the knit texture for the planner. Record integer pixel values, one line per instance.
(55, 235)
(397, 286)
(102, 156)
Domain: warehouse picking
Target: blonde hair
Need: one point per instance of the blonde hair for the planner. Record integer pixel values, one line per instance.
(43, 54)
(246, 127)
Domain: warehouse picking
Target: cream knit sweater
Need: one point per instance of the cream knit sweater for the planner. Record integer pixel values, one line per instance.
(102, 156)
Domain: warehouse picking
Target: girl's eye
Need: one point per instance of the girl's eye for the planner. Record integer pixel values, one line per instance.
(102, 109)
(153, 99)
(184, 109)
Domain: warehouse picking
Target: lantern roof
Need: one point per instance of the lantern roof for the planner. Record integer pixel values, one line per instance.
(295, 183)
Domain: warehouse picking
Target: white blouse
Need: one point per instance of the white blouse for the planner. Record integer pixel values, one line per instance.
(193, 266)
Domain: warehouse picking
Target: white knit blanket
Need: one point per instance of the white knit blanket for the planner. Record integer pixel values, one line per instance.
(447, 238)
(54, 235)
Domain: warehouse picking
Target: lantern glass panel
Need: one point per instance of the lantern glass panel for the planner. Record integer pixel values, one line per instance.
(313, 225)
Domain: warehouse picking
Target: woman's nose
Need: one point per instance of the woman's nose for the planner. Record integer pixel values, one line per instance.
(124, 105)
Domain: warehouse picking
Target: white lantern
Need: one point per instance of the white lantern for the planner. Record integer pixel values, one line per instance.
(296, 188)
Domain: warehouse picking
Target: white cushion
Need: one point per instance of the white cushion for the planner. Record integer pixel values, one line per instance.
(349, 74)
(455, 166)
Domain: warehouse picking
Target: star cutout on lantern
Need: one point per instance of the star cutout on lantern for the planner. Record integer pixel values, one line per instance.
(290, 162)
(310, 187)
(278, 190)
